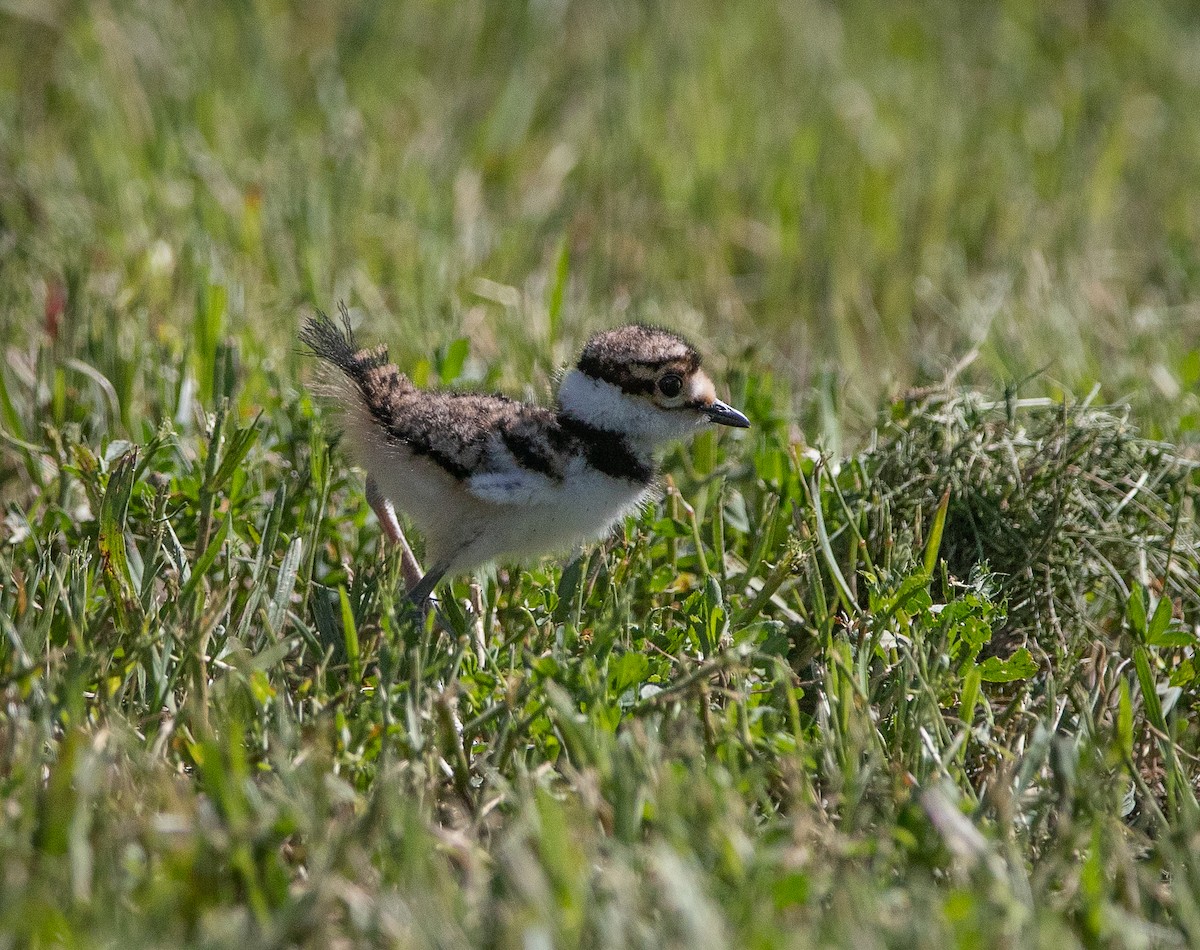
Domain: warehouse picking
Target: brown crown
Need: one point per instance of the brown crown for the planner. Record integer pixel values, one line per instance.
(631, 357)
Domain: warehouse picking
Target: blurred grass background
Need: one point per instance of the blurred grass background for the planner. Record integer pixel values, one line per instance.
(761, 716)
(861, 196)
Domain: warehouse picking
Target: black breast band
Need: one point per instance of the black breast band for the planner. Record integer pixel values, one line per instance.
(607, 451)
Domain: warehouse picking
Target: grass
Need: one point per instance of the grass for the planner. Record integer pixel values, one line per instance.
(909, 664)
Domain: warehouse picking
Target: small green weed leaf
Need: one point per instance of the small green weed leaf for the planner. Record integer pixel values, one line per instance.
(911, 595)
(1145, 676)
(974, 634)
(1160, 621)
(1184, 674)
(420, 373)
(1020, 666)
(1160, 632)
(451, 364)
(670, 528)
(1172, 638)
(1135, 611)
(967, 625)
(568, 590)
(260, 687)
(546, 667)
(626, 671)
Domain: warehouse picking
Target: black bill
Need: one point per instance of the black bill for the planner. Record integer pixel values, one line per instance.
(725, 415)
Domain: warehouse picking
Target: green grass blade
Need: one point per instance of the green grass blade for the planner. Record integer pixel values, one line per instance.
(285, 586)
(934, 544)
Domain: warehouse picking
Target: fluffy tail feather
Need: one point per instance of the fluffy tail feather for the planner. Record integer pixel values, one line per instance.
(378, 382)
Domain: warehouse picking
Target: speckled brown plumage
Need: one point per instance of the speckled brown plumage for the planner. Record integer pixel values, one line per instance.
(455, 429)
(486, 477)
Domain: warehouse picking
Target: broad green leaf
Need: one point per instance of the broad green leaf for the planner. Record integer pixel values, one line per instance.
(627, 671)
(1020, 666)
(1160, 632)
(1171, 638)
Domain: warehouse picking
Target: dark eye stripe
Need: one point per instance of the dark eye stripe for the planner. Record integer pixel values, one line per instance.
(621, 378)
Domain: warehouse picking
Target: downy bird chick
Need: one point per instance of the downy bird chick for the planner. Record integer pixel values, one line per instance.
(485, 477)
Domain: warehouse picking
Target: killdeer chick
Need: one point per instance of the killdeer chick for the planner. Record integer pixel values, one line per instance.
(485, 477)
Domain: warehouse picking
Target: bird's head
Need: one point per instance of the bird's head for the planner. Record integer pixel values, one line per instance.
(646, 384)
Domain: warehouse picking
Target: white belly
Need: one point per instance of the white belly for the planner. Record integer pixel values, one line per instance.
(465, 532)
(584, 508)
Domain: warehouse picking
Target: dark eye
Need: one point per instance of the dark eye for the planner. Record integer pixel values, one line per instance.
(670, 385)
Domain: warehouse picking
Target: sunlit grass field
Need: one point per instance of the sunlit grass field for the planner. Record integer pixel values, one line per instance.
(909, 663)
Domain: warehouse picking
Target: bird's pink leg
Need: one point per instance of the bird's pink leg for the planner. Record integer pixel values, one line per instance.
(391, 527)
